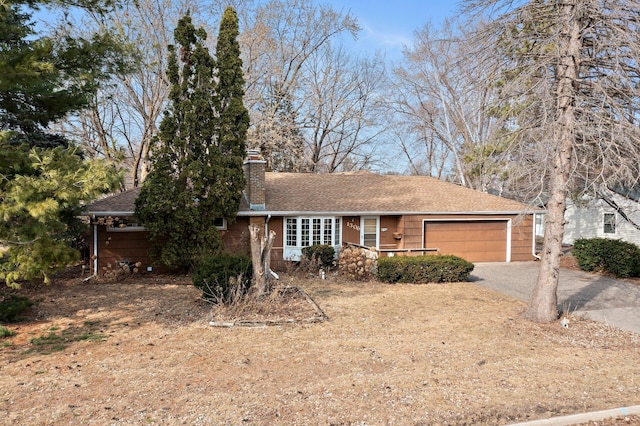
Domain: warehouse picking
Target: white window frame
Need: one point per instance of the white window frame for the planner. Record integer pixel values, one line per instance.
(222, 227)
(128, 224)
(362, 219)
(294, 252)
(125, 228)
(612, 223)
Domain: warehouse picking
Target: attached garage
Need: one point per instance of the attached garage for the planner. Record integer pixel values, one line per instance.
(474, 240)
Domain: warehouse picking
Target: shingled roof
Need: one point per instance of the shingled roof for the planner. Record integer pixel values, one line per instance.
(118, 204)
(350, 193)
(369, 193)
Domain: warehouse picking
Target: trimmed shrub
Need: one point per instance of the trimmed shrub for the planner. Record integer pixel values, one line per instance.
(321, 255)
(12, 306)
(223, 278)
(423, 269)
(620, 258)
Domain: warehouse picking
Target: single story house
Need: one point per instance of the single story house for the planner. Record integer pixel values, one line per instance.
(611, 215)
(396, 215)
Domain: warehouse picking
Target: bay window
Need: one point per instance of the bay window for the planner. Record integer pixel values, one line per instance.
(306, 231)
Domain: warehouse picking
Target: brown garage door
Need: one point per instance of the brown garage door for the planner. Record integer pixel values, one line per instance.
(476, 241)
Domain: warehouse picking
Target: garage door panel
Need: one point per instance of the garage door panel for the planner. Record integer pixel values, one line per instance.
(448, 226)
(481, 246)
(476, 241)
(498, 246)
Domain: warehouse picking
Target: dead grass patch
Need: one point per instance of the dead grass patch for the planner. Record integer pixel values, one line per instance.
(389, 354)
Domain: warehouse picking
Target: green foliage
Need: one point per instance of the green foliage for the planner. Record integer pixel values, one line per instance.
(423, 269)
(46, 78)
(234, 117)
(43, 179)
(12, 306)
(606, 255)
(5, 332)
(224, 277)
(40, 203)
(196, 172)
(321, 254)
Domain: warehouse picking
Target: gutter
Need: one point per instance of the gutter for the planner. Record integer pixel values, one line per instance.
(112, 213)
(380, 213)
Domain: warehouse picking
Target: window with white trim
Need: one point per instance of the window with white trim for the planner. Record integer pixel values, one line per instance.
(369, 232)
(121, 224)
(220, 223)
(306, 231)
(292, 232)
(609, 223)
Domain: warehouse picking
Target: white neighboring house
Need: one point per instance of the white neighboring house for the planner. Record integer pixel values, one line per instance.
(612, 216)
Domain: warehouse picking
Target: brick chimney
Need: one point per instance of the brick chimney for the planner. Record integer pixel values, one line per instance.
(254, 169)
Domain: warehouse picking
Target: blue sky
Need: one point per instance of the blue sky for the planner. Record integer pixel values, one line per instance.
(388, 25)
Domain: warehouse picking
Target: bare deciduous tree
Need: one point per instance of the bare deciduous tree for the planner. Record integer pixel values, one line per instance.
(341, 108)
(278, 42)
(277, 39)
(124, 117)
(442, 101)
(571, 91)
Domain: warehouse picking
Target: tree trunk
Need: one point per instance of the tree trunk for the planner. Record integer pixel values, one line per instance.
(543, 304)
(261, 260)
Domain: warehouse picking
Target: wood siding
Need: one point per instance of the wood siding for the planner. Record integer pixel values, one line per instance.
(389, 226)
(522, 235)
(351, 229)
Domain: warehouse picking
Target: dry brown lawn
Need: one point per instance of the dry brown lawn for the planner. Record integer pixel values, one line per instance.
(142, 352)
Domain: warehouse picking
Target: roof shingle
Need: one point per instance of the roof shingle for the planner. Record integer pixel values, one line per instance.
(365, 192)
(351, 193)
(124, 202)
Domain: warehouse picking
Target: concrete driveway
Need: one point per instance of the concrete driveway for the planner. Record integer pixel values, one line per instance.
(611, 301)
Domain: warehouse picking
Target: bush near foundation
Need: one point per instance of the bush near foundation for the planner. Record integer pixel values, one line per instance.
(620, 258)
(319, 255)
(223, 278)
(423, 269)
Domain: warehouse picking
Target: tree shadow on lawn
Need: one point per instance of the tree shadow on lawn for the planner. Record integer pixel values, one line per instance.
(69, 310)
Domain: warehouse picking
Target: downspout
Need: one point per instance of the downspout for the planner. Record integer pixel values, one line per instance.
(533, 243)
(95, 247)
(95, 250)
(266, 232)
